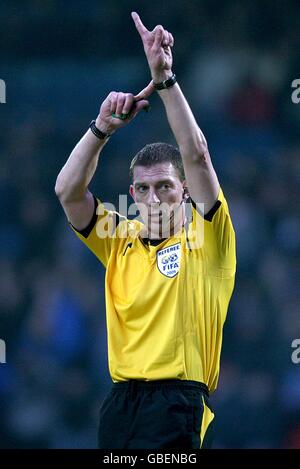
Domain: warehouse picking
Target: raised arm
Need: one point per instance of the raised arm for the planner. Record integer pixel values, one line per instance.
(201, 178)
(72, 182)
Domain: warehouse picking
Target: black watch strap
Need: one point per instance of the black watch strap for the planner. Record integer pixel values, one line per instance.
(166, 83)
(97, 132)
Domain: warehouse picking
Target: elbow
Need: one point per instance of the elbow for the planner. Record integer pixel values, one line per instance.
(200, 155)
(196, 150)
(67, 192)
(59, 189)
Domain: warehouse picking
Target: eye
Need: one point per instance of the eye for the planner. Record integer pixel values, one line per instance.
(165, 187)
(142, 189)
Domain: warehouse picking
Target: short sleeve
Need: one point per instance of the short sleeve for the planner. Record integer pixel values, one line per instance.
(216, 233)
(98, 235)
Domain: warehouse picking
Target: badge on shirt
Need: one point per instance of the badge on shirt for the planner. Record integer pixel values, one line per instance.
(168, 260)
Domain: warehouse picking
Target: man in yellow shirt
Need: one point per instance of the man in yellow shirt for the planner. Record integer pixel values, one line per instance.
(169, 278)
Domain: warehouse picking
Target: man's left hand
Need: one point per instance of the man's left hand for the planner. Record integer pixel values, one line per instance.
(157, 46)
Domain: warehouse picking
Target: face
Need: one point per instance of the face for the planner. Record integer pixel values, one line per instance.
(158, 193)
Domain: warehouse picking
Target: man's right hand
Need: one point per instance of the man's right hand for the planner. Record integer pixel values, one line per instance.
(119, 103)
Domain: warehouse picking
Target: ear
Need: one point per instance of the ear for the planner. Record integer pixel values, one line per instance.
(132, 191)
(185, 194)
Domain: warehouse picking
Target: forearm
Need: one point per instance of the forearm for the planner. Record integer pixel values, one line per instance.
(76, 174)
(189, 137)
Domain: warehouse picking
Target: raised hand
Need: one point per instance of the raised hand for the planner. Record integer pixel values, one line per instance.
(118, 109)
(157, 46)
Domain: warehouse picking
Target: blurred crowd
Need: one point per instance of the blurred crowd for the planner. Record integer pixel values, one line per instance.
(235, 63)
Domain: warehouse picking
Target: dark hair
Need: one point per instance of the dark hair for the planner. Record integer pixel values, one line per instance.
(155, 153)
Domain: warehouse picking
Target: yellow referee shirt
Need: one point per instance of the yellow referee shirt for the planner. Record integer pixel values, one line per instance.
(165, 304)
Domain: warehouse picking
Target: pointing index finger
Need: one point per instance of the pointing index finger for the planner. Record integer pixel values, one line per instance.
(138, 23)
(146, 92)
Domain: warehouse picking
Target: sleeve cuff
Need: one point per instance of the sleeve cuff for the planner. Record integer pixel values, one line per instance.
(209, 215)
(86, 231)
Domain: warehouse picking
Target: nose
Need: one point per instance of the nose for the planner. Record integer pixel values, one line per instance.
(152, 197)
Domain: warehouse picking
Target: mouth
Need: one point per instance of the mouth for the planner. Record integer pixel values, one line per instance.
(161, 216)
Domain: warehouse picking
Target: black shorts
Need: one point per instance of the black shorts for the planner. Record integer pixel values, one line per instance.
(156, 414)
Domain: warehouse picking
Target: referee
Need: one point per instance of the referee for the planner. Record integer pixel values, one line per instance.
(169, 278)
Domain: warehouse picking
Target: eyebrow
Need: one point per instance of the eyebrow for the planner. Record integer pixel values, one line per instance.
(163, 181)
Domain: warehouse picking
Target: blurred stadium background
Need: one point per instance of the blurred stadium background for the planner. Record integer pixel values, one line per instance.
(235, 62)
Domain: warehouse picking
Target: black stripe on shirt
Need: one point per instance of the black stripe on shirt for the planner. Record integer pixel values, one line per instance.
(87, 230)
(210, 214)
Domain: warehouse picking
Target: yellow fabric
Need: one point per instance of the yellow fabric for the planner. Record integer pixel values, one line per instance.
(162, 324)
(207, 418)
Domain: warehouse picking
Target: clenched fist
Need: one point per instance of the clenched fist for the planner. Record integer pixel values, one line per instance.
(119, 108)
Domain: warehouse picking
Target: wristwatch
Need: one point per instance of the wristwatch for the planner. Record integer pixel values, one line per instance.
(101, 135)
(166, 83)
